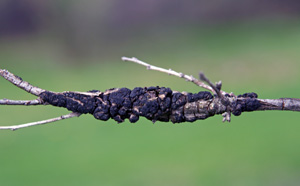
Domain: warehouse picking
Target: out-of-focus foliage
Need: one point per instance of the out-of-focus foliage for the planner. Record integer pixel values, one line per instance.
(77, 45)
(85, 28)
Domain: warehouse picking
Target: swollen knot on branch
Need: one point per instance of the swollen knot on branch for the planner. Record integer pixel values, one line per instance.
(245, 103)
(154, 103)
(223, 99)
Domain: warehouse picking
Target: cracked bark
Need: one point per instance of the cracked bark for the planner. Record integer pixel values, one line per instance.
(154, 103)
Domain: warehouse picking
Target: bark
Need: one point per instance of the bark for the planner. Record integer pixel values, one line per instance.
(153, 103)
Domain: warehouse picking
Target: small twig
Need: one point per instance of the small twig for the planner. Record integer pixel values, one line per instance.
(37, 101)
(97, 93)
(20, 83)
(170, 72)
(217, 90)
(15, 127)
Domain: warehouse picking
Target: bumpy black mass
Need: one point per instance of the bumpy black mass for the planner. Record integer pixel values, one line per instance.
(246, 105)
(154, 103)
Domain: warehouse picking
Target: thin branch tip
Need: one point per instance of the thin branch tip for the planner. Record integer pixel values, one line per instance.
(124, 58)
(15, 127)
(169, 72)
(202, 76)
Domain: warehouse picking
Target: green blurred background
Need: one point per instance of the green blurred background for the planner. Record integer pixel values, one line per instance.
(77, 46)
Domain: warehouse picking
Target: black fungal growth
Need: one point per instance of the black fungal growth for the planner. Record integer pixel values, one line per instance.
(246, 105)
(154, 103)
(72, 101)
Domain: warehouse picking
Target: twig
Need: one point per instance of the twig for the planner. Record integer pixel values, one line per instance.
(37, 101)
(217, 90)
(15, 127)
(170, 72)
(20, 83)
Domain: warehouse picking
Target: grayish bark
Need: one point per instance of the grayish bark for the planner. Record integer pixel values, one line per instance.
(223, 103)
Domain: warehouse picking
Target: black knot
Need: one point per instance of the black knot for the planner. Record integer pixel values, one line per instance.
(55, 99)
(245, 103)
(248, 95)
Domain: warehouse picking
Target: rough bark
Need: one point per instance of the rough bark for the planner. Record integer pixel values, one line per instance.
(154, 103)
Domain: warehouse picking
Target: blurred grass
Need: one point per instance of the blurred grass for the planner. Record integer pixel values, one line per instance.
(260, 148)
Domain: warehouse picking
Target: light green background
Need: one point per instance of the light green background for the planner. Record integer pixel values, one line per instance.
(259, 148)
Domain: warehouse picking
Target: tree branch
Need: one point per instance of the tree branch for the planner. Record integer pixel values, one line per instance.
(291, 104)
(154, 103)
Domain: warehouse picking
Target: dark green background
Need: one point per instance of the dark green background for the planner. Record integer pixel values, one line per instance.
(259, 148)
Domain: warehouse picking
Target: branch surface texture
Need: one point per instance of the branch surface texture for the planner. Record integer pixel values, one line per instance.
(154, 103)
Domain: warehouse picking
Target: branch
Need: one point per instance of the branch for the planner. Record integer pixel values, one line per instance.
(170, 72)
(15, 127)
(154, 103)
(37, 101)
(20, 83)
(211, 87)
(291, 104)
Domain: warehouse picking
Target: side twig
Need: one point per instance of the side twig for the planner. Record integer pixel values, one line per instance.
(15, 127)
(37, 101)
(215, 88)
(16, 80)
(171, 72)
